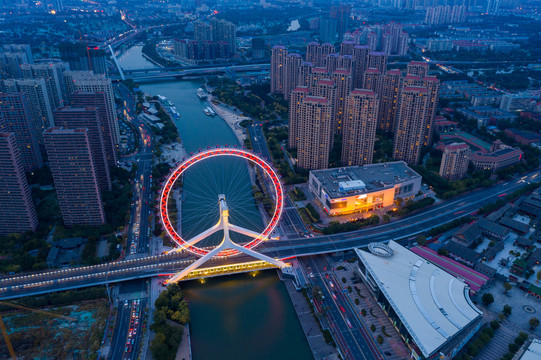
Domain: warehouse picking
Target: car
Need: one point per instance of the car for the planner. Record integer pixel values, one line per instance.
(349, 323)
(331, 284)
(125, 302)
(342, 309)
(334, 295)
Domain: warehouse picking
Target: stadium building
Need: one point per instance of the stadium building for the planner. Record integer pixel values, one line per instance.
(430, 309)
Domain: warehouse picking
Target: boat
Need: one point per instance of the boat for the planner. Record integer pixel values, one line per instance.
(162, 99)
(206, 111)
(211, 112)
(201, 94)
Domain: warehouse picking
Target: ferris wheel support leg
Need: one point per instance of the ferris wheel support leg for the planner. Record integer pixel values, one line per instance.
(244, 231)
(195, 265)
(259, 256)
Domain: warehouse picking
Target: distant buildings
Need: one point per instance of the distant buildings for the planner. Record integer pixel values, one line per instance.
(363, 188)
(445, 14)
(74, 171)
(389, 38)
(455, 160)
(17, 213)
(215, 40)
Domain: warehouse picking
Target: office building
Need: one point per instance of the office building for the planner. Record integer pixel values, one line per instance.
(88, 118)
(359, 130)
(454, 161)
(295, 105)
(429, 308)
(278, 57)
(18, 118)
(75, 177)
(412, 121)
(17, 213)
(98, 100)
(86, 81)
(314, 131)
(363, 188)
(82, 57)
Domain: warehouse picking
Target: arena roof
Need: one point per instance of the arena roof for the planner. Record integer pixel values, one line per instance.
(433, 305)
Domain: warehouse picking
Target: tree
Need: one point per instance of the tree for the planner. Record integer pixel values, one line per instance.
(507, 286)
(507, 310)
(487, 299)
(534, 323)
(539, 275)
(421, 240)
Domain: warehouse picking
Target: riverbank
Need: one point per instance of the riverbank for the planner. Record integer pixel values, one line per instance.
(231, 119)
(320, 349)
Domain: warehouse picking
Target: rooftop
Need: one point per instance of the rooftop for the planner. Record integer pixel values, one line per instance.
(374, 177)
(433, 305)
(533, 352)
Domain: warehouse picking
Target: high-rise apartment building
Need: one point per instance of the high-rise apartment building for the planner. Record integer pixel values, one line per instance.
(305, 74)
(224, 31)
(322, 51)
(454, 161)
(342, 14)
(360, 55)
(389, 99)
(343, 81)
(202, 31)
(418, 68)
(311, 52)
(432, 84)
(86, 81)
(292, 64)
(359, 131)
(346, 47)
(378, 60)
(74, 174)
(98, 100)
(372, 79)
(88, 118)
(413, 116)
(16, 111)
(278, 58)
(331, 62)
(295, 105)
(54, 80)
(328, 29)
(17, 213)
(314, 131)
(39, 100)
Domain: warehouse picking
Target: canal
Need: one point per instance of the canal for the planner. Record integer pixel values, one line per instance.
(246, 316)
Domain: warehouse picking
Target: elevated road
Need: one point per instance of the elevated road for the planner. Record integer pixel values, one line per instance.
(162, 73)
(148, 266)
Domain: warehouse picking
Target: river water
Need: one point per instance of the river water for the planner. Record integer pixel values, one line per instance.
(246, 316)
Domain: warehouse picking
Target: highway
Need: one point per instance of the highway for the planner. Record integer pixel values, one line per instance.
(159, 73)
(57, 280)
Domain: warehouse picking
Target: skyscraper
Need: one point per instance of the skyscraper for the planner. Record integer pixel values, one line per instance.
(413, 115)
(295, 104)
(20, 215)
(89, 118)
(432, 84)
(81, 56)
(341, 13)
(377, 60)
(389, 99)
(292, 64)
(359, 132)
(454, 161)
(315, 124)
(360, 55)
(224, 31)
(372, 79)
(75, 178)
(98, 100)
(86, 81)
(16, 111)
(278, 56)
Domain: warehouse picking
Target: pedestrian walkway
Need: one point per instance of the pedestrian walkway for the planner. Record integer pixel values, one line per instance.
(499, 345)
(320, 349)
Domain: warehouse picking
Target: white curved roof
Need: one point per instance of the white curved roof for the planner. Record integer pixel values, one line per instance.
(432, 304)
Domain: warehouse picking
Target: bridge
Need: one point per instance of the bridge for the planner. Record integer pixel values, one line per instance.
(178, 72)
(149, 266)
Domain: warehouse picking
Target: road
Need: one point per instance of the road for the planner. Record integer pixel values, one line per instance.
(444, 212)
(128, 327)
(257, 138)
(349, 333)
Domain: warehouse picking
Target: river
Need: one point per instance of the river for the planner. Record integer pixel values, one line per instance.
(235, 317)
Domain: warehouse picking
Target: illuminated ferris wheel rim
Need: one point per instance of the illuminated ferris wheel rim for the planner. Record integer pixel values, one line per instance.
(208, 154)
